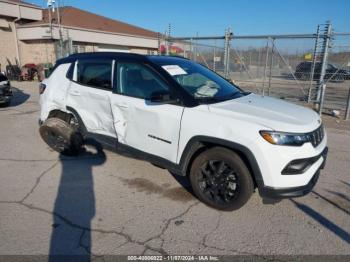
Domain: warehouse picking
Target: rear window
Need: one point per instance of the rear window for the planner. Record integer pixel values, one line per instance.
(95, 73)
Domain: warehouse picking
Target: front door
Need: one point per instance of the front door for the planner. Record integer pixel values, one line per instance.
(150, 127)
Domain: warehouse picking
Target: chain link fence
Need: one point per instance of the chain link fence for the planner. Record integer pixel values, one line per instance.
(307, 69)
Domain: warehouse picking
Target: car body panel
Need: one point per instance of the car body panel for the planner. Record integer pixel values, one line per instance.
(164, 130)
(150, 127)
(273, 113)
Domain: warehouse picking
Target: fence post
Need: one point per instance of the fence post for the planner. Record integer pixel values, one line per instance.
(347, 111)
(321, 86)
(227, 53)
(265, 67)
(191, 49)
(271, 64)
(214, 62)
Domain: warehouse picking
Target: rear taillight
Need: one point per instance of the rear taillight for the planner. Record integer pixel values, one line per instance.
(42, 88)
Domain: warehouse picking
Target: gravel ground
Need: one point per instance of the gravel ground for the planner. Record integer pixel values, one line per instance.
(101, 203)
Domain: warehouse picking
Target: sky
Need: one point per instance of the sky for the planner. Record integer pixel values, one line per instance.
(211, 17)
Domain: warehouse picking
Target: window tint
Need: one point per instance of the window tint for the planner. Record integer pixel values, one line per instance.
(95, 73)
(138, 81)
(200, 82)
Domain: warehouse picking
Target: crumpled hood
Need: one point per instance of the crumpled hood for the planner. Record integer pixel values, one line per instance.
(270, 113)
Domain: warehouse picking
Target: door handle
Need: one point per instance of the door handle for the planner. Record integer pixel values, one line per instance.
(75, 92)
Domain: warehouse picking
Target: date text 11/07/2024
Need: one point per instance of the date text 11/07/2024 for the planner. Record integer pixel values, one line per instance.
(173, 258)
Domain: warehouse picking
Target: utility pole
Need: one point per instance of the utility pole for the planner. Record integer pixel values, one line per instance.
(214, 61)
(321, 84)
(168, 44)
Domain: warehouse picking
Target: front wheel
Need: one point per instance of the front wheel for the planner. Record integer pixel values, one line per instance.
(220, 179)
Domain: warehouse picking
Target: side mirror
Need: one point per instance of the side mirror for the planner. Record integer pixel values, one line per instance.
(162, 97)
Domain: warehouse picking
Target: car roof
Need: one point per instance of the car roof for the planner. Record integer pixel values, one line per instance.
(166, 59)
(116, 55)
(74, 57)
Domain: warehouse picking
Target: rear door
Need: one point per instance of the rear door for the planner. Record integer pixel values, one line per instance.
(150, 127)
(90, 95)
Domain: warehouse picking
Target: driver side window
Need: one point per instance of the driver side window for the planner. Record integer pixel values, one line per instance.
(136, 80)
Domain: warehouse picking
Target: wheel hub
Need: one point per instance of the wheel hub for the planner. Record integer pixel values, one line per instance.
(219, 181)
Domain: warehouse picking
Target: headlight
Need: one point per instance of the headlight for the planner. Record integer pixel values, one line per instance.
(284, 139)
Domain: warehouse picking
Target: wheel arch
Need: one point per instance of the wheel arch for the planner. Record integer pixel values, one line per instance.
(199, 144)
(67, 116)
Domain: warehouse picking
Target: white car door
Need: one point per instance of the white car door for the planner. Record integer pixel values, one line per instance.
(150, 127)
(90, 95)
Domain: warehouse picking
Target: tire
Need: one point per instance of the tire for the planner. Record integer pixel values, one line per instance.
(61, 137)
(6, 104)
(220, 179)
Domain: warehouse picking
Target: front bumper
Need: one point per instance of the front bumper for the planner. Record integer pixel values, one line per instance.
(278, 193)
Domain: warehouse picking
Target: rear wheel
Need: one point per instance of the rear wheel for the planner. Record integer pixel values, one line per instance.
(61, 136)
(220, 179)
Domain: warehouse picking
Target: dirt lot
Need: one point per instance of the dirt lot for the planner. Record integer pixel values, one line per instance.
(102, 203)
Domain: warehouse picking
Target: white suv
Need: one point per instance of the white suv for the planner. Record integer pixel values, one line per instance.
(181, 116)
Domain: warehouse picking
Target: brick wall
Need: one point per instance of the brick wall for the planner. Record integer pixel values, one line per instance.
(39, 51)
(7, 45)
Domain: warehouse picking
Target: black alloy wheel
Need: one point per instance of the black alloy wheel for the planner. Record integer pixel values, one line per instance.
(221, 179)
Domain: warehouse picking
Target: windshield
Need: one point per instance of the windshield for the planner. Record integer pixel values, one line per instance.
(199, 81)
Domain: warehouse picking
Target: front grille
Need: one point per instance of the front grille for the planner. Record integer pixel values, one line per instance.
(316, 136)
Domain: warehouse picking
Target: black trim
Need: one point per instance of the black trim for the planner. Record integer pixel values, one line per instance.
(82, 127)
(111, 143)
(278, 193)
(160, 139)
(197, 142)
(156, 160)
(70, 72)
(304, 163)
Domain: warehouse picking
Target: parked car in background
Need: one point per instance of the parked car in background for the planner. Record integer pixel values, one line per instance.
(333, 73)
(5, 91)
